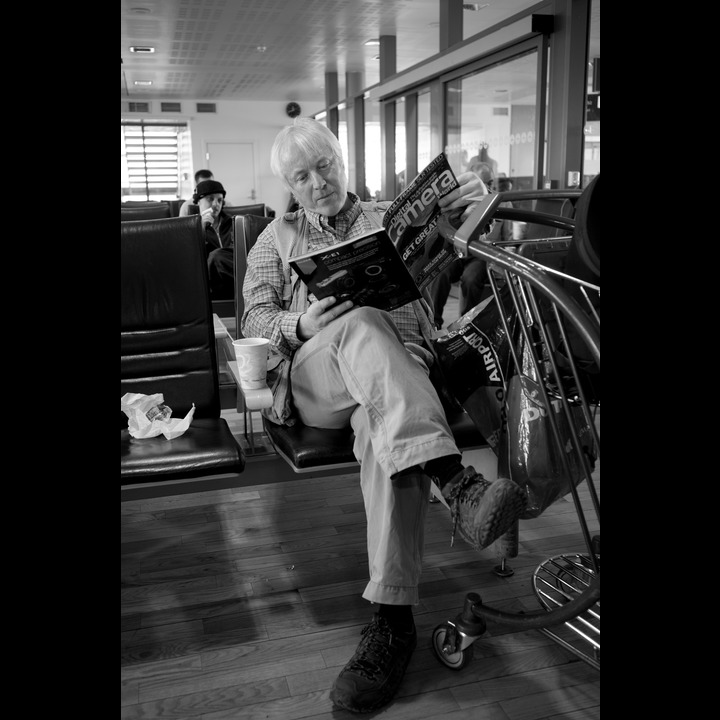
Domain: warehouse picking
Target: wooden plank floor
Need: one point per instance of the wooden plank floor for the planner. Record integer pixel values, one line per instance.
(246, 603)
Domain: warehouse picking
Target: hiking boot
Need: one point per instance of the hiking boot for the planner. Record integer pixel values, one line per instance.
(374, 673)
(481, 510)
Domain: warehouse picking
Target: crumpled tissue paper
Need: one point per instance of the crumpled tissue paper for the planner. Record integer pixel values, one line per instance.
(149, 417)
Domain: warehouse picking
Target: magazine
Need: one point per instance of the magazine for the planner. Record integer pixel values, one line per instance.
(388, 267)
(412, 222)
(367, 270)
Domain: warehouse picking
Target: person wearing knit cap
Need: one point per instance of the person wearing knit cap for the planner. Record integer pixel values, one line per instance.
(208, 190)
(199, 176)
(209, 196)
(189, 206)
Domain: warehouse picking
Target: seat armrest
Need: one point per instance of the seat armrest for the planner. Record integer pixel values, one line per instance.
(255, 399)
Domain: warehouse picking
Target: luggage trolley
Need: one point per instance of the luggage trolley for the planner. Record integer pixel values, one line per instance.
(552, 315)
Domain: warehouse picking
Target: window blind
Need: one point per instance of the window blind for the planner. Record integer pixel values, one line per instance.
(150, 160)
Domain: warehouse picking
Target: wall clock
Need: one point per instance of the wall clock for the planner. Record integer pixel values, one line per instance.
(293, 109)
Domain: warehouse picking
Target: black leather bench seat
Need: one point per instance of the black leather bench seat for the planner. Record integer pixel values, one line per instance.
(205, 448)
(309, 447)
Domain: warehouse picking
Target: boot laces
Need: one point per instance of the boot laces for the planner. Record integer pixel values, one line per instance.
(454, 497)
(374, 650)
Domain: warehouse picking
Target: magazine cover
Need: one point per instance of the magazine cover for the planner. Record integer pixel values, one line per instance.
(411, 222)
(367, 270)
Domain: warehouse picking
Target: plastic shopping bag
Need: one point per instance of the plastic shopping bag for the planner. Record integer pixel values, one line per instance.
(148, 416)
(474, 357)
(535, 460)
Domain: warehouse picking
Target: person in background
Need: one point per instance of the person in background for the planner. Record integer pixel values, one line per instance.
(187, 207)
(332, 365)
(502, 229)
(209, 196)
(483, 158)
(200, 175)
(504, 183)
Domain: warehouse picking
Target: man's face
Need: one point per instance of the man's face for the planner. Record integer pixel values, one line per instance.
(318, 183)
(214, 201)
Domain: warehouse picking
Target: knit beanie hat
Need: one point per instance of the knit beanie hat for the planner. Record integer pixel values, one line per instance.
(207, 187)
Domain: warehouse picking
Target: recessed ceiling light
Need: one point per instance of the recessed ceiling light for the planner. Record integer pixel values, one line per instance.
(143, 82)
(261, 48)
(373, 41)
(142, 49)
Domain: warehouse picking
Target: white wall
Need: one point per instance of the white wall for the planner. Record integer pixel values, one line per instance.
(239, 121)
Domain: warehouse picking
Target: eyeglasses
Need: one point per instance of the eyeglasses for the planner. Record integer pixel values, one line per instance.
(323, 167)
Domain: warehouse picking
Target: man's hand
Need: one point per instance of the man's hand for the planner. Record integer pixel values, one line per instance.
(471, 189)
(207, 216)
(320, 314)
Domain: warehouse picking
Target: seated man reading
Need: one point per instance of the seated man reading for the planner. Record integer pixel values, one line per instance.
(334, 365)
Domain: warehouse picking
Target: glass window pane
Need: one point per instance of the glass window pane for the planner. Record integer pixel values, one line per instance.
(400, 147)
(424, 130)
(373, 150)
(150, 161)
(491, 121)
(591, 131)
(343, 135)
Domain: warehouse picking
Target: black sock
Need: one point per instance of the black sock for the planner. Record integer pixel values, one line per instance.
(399, 617)
(444, 468)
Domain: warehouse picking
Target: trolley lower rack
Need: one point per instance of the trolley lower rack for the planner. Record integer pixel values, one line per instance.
(556, 582)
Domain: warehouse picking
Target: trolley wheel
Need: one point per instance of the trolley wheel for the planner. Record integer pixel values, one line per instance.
(454, 660)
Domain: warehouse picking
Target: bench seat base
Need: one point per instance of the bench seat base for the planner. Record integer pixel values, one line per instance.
(309, 448)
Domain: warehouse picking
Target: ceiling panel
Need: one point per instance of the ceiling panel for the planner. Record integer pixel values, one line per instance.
(277, 49)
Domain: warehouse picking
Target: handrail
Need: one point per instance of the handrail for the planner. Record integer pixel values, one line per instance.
(489, 206)
(531, 216)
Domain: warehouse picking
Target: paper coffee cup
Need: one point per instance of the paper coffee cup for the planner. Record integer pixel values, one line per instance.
(252, 356)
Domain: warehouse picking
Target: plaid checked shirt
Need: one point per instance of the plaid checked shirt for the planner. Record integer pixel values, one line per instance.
(268, 293)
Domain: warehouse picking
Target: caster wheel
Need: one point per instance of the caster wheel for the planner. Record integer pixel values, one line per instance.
(453, 660)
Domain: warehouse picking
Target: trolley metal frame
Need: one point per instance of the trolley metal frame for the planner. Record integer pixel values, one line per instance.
(542, 314)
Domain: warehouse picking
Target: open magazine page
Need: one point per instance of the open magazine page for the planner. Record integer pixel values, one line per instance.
(411, 222)
(367, 270)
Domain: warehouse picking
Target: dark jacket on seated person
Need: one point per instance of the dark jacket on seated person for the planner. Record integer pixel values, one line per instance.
(209, 195)
(219, 245)
(220, 236)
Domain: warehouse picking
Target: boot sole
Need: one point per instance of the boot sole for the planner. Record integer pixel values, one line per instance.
(506, 502)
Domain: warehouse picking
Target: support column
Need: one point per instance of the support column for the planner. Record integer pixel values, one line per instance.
(388, 67)
(356, 133)
(451, 23)
(331, 100)
(567, 89)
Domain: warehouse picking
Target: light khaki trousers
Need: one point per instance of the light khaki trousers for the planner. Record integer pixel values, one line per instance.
(358, 371)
